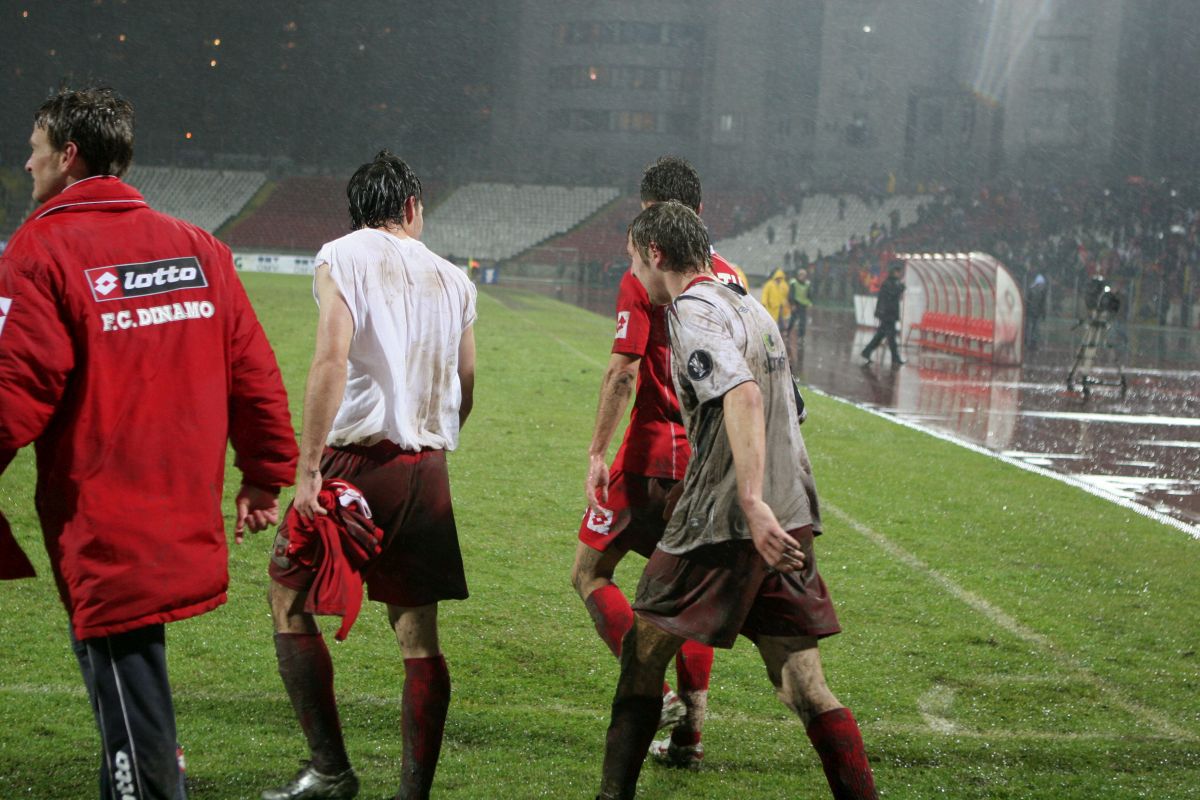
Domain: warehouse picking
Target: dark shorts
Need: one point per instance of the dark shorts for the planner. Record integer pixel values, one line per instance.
(713, 593)
(635, 504)
(409, 496)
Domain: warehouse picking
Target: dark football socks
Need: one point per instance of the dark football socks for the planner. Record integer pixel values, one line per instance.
(634, 721)
(307, 672)
(423, 721)
(612, 615)
(838, 742)
(693, 666)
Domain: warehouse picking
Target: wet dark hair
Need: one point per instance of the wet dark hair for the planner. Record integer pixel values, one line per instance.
(671, 178)
(378, 191)
(677, 232)
(97, 120)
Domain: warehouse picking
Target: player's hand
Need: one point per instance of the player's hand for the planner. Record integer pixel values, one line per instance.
(595, 488)
(308, 486)
(774, 544)
(257, 509)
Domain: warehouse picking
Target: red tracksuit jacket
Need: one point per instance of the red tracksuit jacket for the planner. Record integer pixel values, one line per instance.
(130, 354)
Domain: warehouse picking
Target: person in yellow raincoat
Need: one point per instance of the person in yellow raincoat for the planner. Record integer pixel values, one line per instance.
(775, 298)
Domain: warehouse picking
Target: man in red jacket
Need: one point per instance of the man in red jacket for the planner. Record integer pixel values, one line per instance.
(129, 356)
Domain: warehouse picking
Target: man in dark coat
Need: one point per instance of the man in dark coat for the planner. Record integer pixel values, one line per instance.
(887, 311)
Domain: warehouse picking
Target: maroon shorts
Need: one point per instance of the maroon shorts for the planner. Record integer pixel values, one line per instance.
(409, 496)
(713, 593)
(635, 514)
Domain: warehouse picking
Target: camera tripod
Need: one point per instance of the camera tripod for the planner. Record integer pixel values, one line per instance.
(1096, 334)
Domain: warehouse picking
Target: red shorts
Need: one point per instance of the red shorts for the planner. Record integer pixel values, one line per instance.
(713, 593)
(635, 505)
(409, 496)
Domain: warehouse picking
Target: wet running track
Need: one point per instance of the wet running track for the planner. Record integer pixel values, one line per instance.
(1143, 447)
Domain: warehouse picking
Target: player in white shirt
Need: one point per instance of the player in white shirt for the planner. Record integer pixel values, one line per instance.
(390, 385)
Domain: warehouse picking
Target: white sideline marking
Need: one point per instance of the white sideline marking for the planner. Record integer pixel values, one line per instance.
(1163, 725)
(1092, 489)
(1184, 444)
(990, 735)
(600, 715)
(1119, 419)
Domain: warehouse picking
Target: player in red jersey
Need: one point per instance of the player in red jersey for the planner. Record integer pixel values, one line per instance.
(626, 503)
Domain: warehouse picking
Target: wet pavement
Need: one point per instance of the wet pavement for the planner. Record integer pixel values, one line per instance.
(1142, 448)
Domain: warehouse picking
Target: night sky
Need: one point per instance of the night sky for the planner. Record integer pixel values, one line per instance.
(321, 83)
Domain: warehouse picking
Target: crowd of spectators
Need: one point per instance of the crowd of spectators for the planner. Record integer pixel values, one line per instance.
(1142, 236)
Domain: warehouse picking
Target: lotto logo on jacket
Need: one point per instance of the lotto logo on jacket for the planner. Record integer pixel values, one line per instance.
(139, 280)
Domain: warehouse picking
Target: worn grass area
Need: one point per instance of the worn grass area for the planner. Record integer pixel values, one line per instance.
(1006, 636)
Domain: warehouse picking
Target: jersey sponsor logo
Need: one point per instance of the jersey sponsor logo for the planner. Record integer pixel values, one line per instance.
(139, 280)
(699, 365)
(156, 315)
(599, 521)
(622, 324)
(729, 279)
(5, 305)
(776, 360)
(348, 496)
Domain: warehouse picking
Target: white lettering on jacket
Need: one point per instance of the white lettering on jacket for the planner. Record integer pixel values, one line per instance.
(157, 315)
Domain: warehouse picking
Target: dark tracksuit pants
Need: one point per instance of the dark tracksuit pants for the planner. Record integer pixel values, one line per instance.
(886, 330)
(126, 679)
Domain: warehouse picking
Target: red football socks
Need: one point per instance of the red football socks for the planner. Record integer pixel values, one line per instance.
(423, 721)
(307, 672)
(612, 615)
(693, 666)
(838, 742)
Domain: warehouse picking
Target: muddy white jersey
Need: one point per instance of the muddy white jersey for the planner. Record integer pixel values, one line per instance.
(410, 308)
(720, 339)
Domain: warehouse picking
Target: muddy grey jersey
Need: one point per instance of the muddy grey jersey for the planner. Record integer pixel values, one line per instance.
(721, 339)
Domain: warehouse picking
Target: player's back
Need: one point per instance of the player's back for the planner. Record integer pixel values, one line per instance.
(410, 308)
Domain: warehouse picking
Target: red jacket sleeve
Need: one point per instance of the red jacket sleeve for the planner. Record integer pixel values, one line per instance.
(260, 426)
(36, 352)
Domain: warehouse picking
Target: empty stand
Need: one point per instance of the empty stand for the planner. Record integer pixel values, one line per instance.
(598, 239)
(818, 228)
(300, 214)
(495, 221)
(204, 197)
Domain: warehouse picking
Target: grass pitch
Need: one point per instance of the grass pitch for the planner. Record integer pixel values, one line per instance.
(1006, 636)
